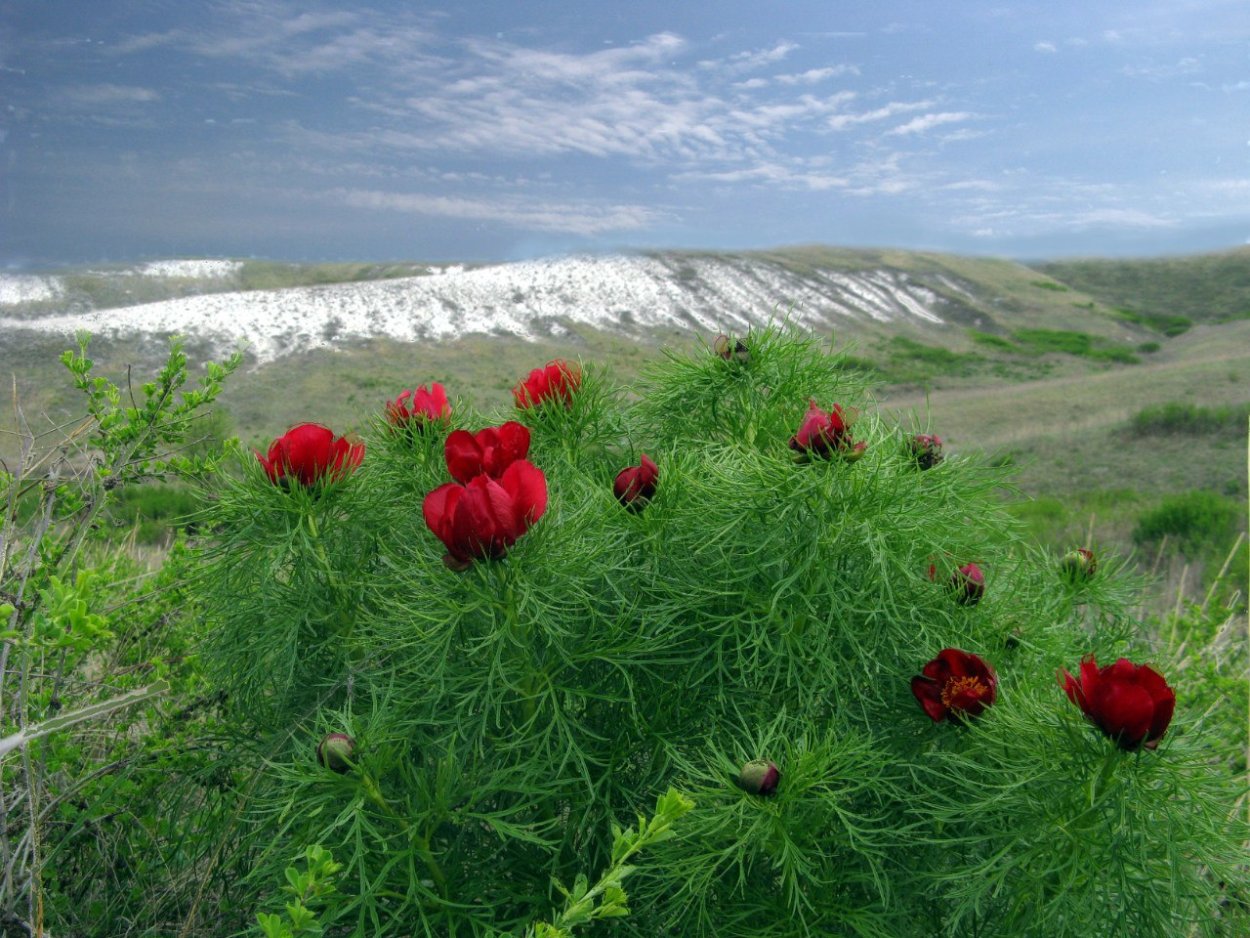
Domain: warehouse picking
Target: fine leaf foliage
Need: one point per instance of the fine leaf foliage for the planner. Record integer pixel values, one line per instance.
(765, 604)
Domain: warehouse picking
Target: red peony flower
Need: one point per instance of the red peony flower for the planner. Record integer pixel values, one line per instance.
(926, 450)
(419, 407)
(487, 452)
(759, 777)
(1131, 703)
(968, 584)
(635, 485)
(826, 435)
(487, 516)
(1078, 565)
(310, 453)
(554, 382)
(954, 685)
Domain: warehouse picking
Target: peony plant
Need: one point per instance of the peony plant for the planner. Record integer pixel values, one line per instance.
(525, 670)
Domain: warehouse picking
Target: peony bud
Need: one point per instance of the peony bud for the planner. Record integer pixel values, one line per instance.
(1078, 565)
(925, 450)
(335, 752)
(968, 584)
(734, 350)
(759, 777)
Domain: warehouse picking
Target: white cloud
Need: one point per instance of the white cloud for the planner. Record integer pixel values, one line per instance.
(926, 122)
(814, 75)
(106, 94)
(1185, 66)
(580, 218)
(844, 121)
(1046, 47)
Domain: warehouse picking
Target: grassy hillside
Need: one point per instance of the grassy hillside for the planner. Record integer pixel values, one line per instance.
(1040, 368)
(1202, 287)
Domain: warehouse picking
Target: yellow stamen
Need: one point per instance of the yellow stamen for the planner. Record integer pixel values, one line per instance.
(957, 686)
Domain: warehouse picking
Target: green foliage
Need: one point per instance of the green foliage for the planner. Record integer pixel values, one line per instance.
(989, 340)
(1049, 285)
(1204, 287)
(1170, 325)
(87, 648)
(606, 899)
(1192, 520)
(308, 888)
(1070, 342)
(1175, 417)
(760, 606)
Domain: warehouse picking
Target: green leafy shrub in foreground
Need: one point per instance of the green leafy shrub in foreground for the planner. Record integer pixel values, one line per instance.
(515, 691)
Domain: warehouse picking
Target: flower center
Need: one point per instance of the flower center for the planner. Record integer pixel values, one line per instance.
(962, 688)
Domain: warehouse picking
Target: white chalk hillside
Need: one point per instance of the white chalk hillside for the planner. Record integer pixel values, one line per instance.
(526, 299)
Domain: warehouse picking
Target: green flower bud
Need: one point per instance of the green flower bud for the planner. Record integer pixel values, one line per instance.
(759, 777)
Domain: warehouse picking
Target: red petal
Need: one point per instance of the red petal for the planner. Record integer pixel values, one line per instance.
(438, 509)
(1071, 688)
(1124, 711)
(514, 441)
(463, 455)
(527, 487)
(929, 695)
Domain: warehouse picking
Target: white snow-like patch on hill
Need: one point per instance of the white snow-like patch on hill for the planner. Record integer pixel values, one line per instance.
(188, 269)
(525, 299)
(28, 288)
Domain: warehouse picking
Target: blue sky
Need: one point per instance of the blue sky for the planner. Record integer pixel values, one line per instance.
(500, 130)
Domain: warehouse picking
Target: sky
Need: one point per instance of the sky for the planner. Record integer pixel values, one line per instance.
(503, 130)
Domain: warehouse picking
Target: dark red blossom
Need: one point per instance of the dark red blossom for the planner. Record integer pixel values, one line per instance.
(954, 685)
(635, 485)
(1131, 703)
(418, 408)
(823, 434)
(487, 516)
(759, 777)
(556, 381)
(490, 451)
(309, 454)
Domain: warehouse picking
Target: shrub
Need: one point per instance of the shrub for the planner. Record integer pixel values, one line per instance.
(510, 708)
(1195, 521)
(1069, 342)
(1182, 418)
(990, 340)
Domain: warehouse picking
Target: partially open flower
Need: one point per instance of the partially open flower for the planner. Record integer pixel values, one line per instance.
(335, 752)
(925, 450)
(1129, 702)
(416, 409)
(635, 485)
(823, 434)
(489, 451)
(1078, 565)
(968, 584)
(556, 381)
(309, 454)
(732, 350)
(954, 685)
(485, 517)
(759, 777)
